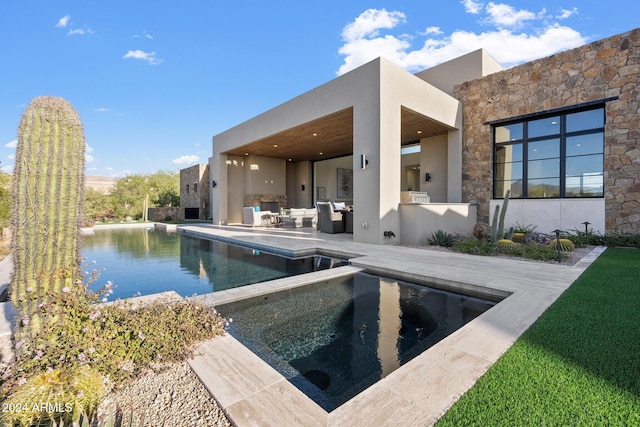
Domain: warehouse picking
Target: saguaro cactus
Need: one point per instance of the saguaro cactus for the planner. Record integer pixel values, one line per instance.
(497, 228)
(48, 196)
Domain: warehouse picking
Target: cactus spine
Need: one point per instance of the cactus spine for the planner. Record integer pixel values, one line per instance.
(497, 228)
(48, 197)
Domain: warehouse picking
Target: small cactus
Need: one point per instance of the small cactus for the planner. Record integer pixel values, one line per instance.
(566, 245)
(518, 237)
(48, 196)
(505, 243)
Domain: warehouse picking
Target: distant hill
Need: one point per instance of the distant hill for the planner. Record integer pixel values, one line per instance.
(100, 183)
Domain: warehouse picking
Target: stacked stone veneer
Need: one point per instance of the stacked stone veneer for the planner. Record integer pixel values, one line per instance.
(603, 69)
(195, 198)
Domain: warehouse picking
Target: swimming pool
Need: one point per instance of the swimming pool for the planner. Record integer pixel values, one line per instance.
(142, 261)
(334, 339)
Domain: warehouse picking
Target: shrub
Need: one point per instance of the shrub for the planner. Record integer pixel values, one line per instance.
(441, 238)
(55, 395)
(474, 246)
(533, 251)
(524, 229)
(117, 340)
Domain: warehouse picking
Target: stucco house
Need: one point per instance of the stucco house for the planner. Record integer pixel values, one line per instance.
(561, 133)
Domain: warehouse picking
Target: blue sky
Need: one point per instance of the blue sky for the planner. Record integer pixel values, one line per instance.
(153, 81)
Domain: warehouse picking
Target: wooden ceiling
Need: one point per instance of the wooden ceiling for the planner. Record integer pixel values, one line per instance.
(331, 136)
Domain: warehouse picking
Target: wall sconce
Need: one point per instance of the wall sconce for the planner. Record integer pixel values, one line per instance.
(363, 161)
(427, 177)
(302, 187)
(214, 184)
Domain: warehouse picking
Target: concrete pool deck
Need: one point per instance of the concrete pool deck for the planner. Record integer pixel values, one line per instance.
(253, 394)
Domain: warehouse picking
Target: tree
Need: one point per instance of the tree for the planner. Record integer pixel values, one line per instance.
(132, 192)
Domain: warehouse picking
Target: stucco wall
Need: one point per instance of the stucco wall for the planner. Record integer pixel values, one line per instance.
(418, 221)
(434, 161)
(600, 70)
(549, 215)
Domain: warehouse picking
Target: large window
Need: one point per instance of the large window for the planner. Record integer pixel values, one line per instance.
(559, 155)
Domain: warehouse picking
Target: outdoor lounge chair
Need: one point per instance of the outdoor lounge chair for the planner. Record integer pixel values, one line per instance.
(328, 220)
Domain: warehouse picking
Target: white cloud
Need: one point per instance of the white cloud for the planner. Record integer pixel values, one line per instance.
(364, 41)
(80, 31)
(11, 157)
(565, 13)
(101, 110)
(186, 160)
(502, 15)
(472, 7)
(370, 22)
(7, 169)
(12, 144)
(144, 34)
(63, 22)
(150, 57)
(431, 30)
(87, 156)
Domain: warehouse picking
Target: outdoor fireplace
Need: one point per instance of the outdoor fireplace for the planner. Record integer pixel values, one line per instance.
(269, 206)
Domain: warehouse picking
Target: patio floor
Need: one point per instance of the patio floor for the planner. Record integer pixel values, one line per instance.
(421, 391)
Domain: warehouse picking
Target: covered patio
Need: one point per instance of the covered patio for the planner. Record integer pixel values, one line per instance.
(361, 139)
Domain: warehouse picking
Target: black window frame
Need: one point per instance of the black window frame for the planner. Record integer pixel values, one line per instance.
(562, 136)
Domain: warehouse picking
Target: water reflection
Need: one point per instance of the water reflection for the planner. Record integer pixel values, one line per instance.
(149, 261)
(334, 339)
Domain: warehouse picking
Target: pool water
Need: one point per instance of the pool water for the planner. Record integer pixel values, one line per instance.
(336, 338)
(145, 261)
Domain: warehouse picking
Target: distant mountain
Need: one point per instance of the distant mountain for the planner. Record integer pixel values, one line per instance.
(99, 183)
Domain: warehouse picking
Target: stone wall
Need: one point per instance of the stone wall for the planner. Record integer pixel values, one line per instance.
(600, 70)
(194, 189)
(166, 214)
(255, 199)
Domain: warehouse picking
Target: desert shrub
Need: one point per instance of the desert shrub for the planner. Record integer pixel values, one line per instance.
(533, 251)
(474, 246)
(524, 229)
(117, 340)
(56, 395)
(441, 238)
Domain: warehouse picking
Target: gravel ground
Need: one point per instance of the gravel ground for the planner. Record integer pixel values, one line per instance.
(175, 397)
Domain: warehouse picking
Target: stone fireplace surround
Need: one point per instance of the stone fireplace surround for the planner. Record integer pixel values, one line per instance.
(264, 200)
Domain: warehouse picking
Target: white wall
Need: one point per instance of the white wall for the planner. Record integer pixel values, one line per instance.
(552, 214)
(326, 175)
(299, 174)
(418, 221)
(264, 175)
(433, 159)
(235, 185)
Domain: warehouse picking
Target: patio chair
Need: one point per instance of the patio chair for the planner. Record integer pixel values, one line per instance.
(328, 220)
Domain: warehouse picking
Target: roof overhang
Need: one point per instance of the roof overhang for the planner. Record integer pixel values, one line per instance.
(331, 136)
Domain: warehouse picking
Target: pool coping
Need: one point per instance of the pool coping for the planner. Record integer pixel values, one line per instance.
(250, 392)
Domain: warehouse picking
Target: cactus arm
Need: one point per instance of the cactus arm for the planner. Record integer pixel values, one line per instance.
(494, 225)
(503, 212)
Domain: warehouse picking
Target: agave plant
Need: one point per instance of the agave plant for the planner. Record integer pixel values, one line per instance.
(441, 238)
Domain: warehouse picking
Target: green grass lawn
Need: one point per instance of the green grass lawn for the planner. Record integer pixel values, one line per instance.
(578, 365)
